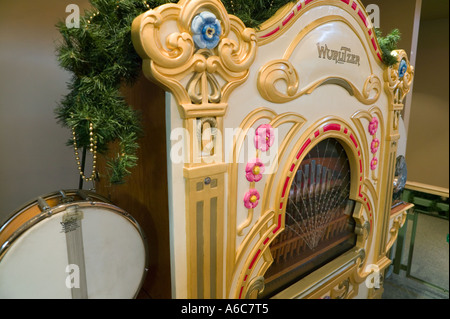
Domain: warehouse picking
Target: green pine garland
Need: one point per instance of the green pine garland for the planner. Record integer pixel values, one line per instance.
(387, 45)
(101, 57)
(254, 12)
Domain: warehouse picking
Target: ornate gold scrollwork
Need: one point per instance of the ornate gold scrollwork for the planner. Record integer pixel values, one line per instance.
(283, 70)
(342, 290)
(398, 223)
(256, 287)
(173, 58)
(398, 78)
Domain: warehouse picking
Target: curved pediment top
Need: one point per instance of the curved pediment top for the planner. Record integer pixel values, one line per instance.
(286, 16)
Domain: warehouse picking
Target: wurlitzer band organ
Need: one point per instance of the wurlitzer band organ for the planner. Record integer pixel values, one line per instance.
(296, 201)
(279, 146)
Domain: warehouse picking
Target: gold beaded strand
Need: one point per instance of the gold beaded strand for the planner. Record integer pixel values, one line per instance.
(92, 149)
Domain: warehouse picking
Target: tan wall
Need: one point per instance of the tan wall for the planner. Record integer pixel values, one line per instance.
(34, 159)
(427, 151)
(427, 107)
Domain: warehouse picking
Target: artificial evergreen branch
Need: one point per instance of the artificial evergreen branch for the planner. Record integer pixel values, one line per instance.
(387, 45)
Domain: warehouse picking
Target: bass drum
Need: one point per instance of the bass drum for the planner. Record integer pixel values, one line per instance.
(71, 244)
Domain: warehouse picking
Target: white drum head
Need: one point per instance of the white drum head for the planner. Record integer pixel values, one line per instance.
(100, 255)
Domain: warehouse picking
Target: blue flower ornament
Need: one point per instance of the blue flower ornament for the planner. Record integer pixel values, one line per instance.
(206, 29)
(403, 67)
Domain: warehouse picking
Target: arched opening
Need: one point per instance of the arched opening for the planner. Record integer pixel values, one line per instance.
(319, 225)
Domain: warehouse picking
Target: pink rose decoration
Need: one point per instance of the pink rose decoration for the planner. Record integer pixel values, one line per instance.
(373, 126)
(254, 170)
(375, 145)
(264, 137)
(251, 199)
(373, 164)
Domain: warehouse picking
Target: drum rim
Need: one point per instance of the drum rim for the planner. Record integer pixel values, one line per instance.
(8, 243)
(33, 202)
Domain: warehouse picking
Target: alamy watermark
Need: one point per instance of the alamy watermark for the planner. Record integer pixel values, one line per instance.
(73, 19)
(73, 279)
(374, 279)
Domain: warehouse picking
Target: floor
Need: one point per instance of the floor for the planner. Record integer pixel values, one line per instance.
(429, 266)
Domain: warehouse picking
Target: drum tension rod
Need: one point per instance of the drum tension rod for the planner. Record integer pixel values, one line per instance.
(83, 194)
(64, 198)
(43, 206)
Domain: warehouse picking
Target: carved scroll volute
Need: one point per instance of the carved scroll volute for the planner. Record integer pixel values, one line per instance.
(146, 28)
(174, 59)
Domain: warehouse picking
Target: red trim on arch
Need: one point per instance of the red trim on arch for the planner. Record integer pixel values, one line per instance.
(279, 224)
(363, 17)
(254, 259)
(353, 140)
(374, 44)
(285, 186)
(288, 18)
(332, 127)
(303, 148)
(271, 33)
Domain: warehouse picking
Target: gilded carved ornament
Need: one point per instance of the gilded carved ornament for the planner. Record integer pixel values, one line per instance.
(211, 51)
(398, 78)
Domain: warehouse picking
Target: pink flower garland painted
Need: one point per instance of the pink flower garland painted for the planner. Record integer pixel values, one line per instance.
(251, 199)
(373, 163)
(374, 146)
(264, 139)
(373, 126)
(254, 170)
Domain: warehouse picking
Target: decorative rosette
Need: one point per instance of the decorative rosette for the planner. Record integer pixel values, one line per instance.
(402, 68)
(254, 170)
(207, 30)
(264, 137)
(374, 145)
(373, 163)
(251, 199)
(373, 126)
